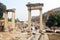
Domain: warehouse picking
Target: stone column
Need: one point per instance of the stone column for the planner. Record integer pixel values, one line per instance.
(29, 20)
(13, 19)
(6, 21)
(41, 19)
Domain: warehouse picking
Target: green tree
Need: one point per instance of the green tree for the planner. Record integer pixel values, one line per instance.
(58, 20)
(2, 9)
(53, 21)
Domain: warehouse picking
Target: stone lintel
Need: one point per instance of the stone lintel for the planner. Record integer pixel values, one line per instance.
(33, 5)
(11, 10)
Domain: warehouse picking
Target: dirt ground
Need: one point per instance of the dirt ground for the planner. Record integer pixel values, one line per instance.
(54, 36)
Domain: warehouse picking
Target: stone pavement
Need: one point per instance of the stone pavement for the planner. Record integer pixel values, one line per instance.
(13, 36)
(34, 37)
(44, 37)
(22, 36)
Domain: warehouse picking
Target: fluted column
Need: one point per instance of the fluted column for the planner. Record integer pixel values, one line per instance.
(13, 19)
(41, 19)
(6, 21)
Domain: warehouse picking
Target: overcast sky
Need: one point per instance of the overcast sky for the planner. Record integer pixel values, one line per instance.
(21, 9)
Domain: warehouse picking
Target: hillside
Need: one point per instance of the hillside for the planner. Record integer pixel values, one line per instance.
(56, 10)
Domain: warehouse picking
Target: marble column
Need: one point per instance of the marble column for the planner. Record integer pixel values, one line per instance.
(29, 20)
(41, 19)
(13, 19)
(6, 21)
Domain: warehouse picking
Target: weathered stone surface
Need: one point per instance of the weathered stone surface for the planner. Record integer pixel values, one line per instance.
(13, 36)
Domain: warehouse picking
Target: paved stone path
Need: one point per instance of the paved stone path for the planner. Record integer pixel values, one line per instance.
(13, 36)
(44, 37)
(34, 37)
(22, 36)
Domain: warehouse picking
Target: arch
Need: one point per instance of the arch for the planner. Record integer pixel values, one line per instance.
(6, 18)
(36, 6)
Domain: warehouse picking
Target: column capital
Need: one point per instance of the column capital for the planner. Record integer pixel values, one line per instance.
(29, 9)
(40, 9)
(13, 10)
(6, 12)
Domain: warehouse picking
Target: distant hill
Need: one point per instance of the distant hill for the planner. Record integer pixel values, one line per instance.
(56, 10)
(36, 18)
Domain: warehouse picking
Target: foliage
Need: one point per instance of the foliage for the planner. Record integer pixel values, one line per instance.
(54, 20)
(2, 9)
(1, 18)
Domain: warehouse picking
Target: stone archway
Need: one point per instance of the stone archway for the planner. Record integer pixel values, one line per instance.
(37, 6)
(6, 18)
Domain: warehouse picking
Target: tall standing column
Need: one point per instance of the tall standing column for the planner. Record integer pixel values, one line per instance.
(13, 19)
(41, 19)
(29, 19)
(6, 21)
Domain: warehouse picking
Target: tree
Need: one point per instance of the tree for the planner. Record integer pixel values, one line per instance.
(53, 21)
(58, 20)
(2, 9)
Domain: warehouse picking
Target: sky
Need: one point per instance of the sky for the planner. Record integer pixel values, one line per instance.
(21, 9)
